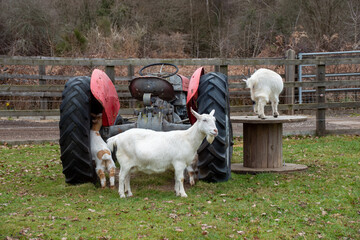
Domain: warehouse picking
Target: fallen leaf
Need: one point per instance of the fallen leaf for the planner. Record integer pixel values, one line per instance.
(240, 232)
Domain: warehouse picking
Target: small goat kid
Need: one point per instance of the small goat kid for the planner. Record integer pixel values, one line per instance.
(265, 85)
(154, 152)
(101, 153)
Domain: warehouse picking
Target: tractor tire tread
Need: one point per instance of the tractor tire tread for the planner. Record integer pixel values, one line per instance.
(75, 132)
(215, 159)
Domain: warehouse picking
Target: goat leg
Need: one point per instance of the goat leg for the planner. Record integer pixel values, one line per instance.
(122, 178)
(261, 105)
(101, 174)
(179, 180)
(274, 105)
(112, 177)
(127, 185)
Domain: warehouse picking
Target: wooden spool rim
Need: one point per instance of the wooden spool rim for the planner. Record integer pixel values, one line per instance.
(268, 119)
(289, 167)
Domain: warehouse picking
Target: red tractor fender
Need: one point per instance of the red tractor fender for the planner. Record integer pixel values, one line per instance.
(104, 91)
(185, 82)
(192, 94)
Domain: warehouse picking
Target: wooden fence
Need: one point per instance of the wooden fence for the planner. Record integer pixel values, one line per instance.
(44, 91)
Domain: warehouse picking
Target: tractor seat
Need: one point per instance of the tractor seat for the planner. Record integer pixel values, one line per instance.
(156, 86)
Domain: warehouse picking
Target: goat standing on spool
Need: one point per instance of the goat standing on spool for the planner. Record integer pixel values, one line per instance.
(265, 85)
(154, 152)
(101, 153)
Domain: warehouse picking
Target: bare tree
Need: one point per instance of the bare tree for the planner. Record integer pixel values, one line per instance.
(354, 9)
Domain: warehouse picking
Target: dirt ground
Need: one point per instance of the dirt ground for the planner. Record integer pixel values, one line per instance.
(35, 130)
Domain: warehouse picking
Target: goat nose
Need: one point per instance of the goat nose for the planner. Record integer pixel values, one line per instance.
(215, 131)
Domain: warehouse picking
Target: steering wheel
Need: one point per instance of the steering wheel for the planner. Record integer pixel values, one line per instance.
(162, 70)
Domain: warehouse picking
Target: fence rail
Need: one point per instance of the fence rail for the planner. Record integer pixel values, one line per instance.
(45, 91)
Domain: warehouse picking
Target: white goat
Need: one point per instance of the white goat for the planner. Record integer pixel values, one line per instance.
(265, 85)
(101, 153)
(153, 152)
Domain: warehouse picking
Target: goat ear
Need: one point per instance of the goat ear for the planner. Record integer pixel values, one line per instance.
(245, 80)
(212, 112)
(195, 113)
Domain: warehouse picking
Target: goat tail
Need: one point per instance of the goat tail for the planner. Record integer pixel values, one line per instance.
(111, 142)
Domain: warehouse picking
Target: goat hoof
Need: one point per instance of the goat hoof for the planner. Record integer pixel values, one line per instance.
(112, 187)
(183, 195)
(122, 196)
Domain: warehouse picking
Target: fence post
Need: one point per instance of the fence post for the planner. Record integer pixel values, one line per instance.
(42, 81)
(222, 68)
(130, 75)
(290, 77)
(320, 98)
(110, 71)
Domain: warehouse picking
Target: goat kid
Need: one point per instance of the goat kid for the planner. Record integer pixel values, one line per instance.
(265, 85)
(154, 152)
(101, 153)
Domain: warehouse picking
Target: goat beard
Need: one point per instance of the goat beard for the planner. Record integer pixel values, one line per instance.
(210, 138)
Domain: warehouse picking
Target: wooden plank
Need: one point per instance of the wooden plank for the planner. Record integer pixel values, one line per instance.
(248, 142)
(110, 71)
(30, 94)
(290, 77)
(43, 101)
(222, 68)
(255, 145)
(261, 148)
(320, 99)
(46, 88)
(19, 113)
(343, 83)
(305, 106)
(4, 76)
(34, 61)
(274, 145)
(53, 112)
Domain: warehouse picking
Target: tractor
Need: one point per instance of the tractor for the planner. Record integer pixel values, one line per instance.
(167, 98)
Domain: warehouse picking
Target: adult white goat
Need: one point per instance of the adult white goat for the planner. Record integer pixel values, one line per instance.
(153, 152)
(265, 85)
(101, 153)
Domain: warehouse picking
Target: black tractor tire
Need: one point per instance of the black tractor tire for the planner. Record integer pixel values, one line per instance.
(75, 123)
(214, 164)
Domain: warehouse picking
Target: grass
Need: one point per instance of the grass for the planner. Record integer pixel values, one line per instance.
(323, 202)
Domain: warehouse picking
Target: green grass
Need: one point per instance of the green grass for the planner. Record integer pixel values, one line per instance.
(322, 202)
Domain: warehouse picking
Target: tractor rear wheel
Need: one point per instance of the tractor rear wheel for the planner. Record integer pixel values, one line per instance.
(214, 163)
(75, 122)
